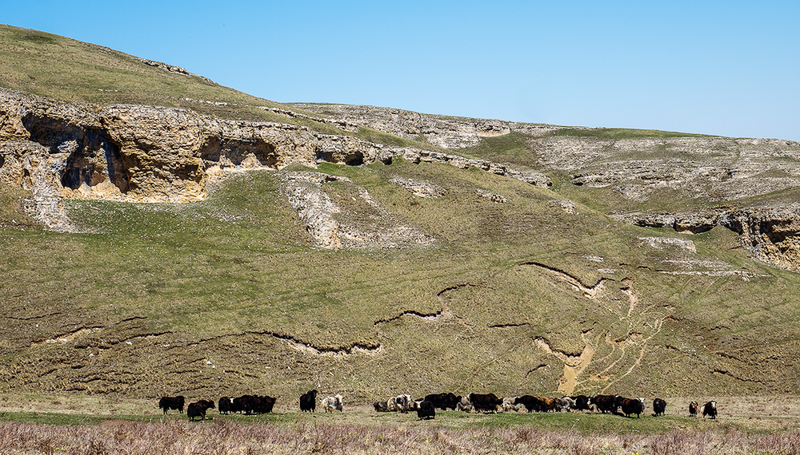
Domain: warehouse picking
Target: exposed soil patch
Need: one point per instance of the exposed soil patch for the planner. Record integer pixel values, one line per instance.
(589, 291)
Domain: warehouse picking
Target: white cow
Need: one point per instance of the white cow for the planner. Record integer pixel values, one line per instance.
(330, 404)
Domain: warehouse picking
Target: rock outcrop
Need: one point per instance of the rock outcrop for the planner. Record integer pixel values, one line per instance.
(143, 153)
(711, 168)
(151, 154)
(771, 234)
(439, 130)
(332, 227)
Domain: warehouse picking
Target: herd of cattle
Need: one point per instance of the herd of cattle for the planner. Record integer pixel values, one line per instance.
(426, 407)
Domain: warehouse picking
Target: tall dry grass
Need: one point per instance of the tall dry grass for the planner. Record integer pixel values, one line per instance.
(226, 438)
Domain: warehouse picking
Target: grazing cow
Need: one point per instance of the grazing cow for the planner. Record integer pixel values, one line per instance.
(426, 410)
(465, 405)
(400, 403)
(693, 409)
(531, 403)
(485, 402)
(166, 403)
(565, 404)
(710, 409)
(381, 406)
(548, 404)
(605, 403)
(581, 403)
(251, 404)
(225, 405)
(308, 401)
(632, 406)
(334, 403)
(510, 404)
(443, 400)
(198, 409)
(659, 406)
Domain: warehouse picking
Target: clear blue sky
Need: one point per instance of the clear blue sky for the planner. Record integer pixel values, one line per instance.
(717, 67)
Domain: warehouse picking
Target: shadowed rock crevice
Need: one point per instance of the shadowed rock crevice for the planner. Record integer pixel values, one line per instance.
(91, 157)
(246, 153)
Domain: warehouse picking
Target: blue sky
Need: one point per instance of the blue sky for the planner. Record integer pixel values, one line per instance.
(730, 68)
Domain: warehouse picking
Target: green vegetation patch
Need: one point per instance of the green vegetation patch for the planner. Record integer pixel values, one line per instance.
(621, 133)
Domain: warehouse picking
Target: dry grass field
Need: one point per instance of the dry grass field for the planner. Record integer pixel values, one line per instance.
(64, 424)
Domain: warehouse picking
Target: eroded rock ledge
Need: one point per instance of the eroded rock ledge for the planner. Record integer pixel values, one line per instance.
(156, 154)
(144, 153)
(771, 234)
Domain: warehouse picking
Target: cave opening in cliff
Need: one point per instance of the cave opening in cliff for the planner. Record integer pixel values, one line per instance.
(324, 156)
(94, 160)
(354, 160)
(239, 152)
(56, 134)
(91, 157)
(2, 160)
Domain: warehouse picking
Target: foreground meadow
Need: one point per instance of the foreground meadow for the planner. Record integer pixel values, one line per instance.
(64, 424)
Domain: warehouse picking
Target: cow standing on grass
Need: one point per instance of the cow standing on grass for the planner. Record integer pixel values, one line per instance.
(426, 410)
(605, 403)
(710, 409)
(225, 405)
(531, 403)
(308, 401)
(334, 403)
(632, 406)
(485, 402)
(659, 406)
(166, 403)
(693, 409)
(443, 401)
(198, 409)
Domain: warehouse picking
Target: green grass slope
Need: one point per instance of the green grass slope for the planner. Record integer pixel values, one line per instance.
(230, 296)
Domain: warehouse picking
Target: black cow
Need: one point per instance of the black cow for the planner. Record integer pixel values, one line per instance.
(380, 406)
(308, 401)
(605, 403)
(198, 409)
(251, 404)
(531, 403)
(710, 409)
(166, 403)
(659, 406)
(225, 405)
(581, 403)
(443, 400)
(485, 402)
(426, 410)
(632, 406)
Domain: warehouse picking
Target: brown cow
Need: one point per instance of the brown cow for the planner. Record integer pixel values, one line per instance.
(693, 409)
(549, 404)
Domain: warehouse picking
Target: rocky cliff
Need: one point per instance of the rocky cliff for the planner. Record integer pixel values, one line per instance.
(148, 154)
(442, 131)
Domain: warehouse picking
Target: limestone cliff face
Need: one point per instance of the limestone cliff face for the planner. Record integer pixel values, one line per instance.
(712, 168)
(771, 234)
(143, 153)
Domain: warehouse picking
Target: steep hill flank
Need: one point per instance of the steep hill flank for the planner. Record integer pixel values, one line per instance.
(273, 257)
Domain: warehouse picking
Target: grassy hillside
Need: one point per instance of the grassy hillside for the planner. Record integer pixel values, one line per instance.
(227, 295)
(62, 68)
(230, 296)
